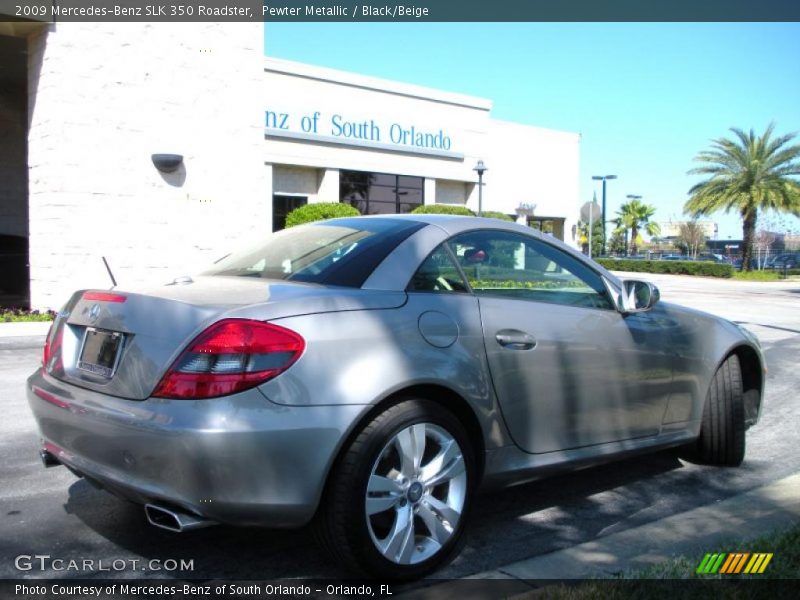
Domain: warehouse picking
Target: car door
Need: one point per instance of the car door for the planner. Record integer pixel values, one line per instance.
(568, 369)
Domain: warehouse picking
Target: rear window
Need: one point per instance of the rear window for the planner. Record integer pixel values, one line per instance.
(338, 252)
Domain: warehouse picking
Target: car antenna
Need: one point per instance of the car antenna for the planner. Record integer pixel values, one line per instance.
(110, 274)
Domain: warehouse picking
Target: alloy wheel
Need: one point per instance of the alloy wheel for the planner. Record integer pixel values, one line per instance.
(416, 493)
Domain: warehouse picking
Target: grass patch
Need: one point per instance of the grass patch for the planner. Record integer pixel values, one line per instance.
(20, 315)
(757, 275)
(678, 576)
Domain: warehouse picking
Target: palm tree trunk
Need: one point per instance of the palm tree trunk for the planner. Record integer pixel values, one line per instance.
(634, 234)
(749, 217)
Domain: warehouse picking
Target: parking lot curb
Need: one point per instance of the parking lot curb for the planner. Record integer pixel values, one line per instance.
(690, 534)
(24, 329)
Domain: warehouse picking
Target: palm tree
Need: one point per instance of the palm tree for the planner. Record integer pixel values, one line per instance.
(635, 215)
(747, 174)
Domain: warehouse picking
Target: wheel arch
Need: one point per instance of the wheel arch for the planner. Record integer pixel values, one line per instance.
(752, 370)
(440, 394)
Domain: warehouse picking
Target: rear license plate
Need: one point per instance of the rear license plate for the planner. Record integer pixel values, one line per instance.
(100, 352)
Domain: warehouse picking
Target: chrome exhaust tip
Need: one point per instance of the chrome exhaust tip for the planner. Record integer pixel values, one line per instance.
(174, 520)
(48, 460)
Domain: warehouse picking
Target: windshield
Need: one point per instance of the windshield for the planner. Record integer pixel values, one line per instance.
(337, 252)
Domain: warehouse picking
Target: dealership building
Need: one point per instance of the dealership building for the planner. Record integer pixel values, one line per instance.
(160, 147)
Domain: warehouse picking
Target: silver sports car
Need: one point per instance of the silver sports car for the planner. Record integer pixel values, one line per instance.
(371, 374)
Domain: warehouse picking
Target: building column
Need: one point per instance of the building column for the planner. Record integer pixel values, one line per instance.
(328, 188)
(472, 196)
(269, 190)
(429, 192)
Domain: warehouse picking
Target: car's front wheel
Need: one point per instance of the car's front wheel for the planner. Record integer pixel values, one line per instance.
(398, 499)
(722, 433)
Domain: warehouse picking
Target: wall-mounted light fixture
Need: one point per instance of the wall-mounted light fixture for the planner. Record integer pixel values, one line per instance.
(167, 163)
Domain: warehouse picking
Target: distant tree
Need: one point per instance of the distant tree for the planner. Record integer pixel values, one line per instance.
(748, 173)
(633, 216)
(762, 244)
(692, 237)
(597, 237)
(616, 243)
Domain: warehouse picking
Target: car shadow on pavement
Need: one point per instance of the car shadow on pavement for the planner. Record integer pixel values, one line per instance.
(506, 525)
(219, 551)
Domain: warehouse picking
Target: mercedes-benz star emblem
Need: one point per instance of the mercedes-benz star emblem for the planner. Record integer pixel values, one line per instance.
(94, 312)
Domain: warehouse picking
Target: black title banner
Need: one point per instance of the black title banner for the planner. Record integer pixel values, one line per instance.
(411, 11)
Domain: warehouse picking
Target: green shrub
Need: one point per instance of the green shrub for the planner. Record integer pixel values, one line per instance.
(319, 212)
(493, 214)
(443, 209)
(675, 267)
(21, 315)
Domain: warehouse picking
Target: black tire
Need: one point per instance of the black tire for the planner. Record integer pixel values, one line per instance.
(342, 522)
(722, 433)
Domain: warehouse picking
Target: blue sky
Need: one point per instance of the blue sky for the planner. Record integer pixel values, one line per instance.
(645, 97)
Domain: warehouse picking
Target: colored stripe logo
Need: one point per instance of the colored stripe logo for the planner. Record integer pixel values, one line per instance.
(734, 563)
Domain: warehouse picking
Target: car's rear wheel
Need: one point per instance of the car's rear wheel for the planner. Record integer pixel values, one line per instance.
(398, 499)
(722, 433)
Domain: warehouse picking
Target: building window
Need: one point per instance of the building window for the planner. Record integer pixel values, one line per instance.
(380, 193)
(282, 206)
(550, 225)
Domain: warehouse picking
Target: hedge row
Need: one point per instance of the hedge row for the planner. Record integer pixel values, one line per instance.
(320, 211)
(675, 267)
(442, 209)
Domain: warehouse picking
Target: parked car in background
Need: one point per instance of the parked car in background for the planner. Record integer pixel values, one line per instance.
(370, 374)
(786, 261)
(717, 258)
(674, 257)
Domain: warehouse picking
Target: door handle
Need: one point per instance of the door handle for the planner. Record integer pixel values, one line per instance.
(515, 340)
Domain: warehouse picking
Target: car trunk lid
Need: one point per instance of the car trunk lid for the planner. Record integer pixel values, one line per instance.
(120, 343)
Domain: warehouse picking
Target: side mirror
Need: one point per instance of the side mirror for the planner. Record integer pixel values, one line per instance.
(638, 296)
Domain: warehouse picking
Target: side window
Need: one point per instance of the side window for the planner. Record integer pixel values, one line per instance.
(437, 273)
(500, 263)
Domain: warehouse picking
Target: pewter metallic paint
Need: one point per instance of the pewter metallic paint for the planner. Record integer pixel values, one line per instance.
(598, 384)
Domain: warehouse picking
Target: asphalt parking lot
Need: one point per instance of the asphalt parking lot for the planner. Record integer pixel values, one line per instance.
(51, 512)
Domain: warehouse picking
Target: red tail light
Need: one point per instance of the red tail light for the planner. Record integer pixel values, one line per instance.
(52, 344)
(104, 297)
(46, 351)
(228, 357)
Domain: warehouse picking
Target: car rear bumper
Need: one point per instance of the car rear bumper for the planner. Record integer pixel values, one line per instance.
(239, 459)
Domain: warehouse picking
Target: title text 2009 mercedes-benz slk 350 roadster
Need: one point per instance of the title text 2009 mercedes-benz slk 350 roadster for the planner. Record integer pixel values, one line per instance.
(370, 374)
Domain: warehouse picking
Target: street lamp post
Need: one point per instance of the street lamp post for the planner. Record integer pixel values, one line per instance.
(604, 178)
(480, 169)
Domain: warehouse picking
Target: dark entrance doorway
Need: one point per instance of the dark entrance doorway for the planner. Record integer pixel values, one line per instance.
(282, 206)
(14, 281)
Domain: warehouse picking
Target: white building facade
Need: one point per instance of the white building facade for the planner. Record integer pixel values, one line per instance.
(90, 104)
(387, 147)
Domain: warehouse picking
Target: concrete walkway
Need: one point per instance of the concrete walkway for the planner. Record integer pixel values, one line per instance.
(25, 329)
(691, 534)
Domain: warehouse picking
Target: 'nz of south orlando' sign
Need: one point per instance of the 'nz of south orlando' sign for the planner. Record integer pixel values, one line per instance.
(336, 128)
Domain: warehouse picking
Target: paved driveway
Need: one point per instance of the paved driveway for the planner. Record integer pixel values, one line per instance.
(51, 512)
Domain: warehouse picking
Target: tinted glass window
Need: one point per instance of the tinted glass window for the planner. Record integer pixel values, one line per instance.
(381, 193)
(337, 252)
(505, 264)
(437, 274)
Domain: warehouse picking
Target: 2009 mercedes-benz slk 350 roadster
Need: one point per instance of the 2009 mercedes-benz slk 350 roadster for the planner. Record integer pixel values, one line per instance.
(372, 373)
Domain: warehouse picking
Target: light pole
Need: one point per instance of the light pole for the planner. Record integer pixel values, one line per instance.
(480, 169)
(604, 178)
(630, 197)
